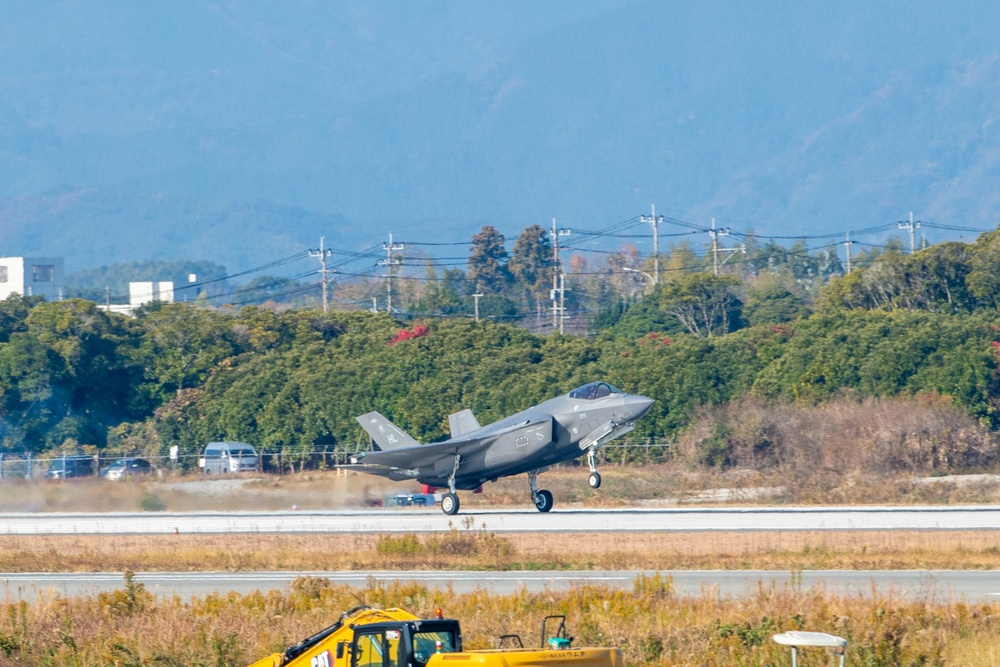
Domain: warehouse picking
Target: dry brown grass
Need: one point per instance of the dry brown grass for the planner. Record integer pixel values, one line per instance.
(475, 549)
(651, 624)
(829, 448)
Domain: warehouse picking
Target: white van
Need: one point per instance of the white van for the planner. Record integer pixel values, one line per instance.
(226, 457)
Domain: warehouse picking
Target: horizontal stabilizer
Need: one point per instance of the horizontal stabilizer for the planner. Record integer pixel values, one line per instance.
(462, 422)
(386, 435)
(395, 474)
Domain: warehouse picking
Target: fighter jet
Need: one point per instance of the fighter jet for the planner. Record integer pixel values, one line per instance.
(560, 429)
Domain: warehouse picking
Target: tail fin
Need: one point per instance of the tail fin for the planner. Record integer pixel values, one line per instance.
(462, 422)
(385, 434)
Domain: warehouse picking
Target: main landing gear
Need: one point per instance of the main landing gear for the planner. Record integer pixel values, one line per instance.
(449, 503)
(595, 477)
(543, 498)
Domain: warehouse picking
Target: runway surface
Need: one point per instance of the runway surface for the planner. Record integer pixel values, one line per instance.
(935, 585)
(570, 520)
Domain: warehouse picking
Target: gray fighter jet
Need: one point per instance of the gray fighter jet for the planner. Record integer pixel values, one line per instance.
(560, 429)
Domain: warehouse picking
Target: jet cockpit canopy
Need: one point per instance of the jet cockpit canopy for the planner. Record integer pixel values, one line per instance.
(594, 391)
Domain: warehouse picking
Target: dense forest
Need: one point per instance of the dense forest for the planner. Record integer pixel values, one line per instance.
(75, 377)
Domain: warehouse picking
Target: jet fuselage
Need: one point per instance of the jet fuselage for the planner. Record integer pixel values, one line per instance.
(563, 423)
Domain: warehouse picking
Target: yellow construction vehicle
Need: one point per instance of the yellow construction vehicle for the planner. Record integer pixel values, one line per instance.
(367, 637)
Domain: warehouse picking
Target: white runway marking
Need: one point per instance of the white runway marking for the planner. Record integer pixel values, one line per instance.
(590, 520)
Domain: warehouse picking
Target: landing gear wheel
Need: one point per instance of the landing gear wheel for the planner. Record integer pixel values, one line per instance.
(449, 504)
(595, 480)
(544, 501)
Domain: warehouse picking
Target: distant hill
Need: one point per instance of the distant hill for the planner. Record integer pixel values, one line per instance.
(237, 131)
(93, 227)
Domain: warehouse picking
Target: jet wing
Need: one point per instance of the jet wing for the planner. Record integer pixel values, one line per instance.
(426, 455)
(421, 455)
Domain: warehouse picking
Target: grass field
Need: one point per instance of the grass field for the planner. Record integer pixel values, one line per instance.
(652, 625)
(473, 548)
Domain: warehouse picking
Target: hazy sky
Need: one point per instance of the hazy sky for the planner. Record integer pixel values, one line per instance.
(438, 117)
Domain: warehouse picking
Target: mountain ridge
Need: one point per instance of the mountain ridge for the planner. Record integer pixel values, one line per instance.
(359, 118)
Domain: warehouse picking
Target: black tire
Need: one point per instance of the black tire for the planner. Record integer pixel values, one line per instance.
(595, 480)
(544, 502)
(450, 504)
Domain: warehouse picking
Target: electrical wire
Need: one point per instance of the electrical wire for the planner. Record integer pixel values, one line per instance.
(276, 263)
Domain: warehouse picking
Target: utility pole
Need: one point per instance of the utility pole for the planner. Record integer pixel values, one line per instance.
(557, 267)
(654, 221)
(562, 301)
(476, 297)
(911, 226)
(847, 246)
(389, 263)
(716, 233)
(322, 254)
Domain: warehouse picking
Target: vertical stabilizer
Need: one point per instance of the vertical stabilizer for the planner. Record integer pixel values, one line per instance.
(462, 422)
(385, 434)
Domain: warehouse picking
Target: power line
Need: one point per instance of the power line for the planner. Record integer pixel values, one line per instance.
(278, 262)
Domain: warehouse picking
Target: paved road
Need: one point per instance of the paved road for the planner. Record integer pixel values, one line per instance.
(397, 521)
(939, 585)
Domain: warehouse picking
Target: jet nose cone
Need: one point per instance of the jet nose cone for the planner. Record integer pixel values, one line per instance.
(638, 405)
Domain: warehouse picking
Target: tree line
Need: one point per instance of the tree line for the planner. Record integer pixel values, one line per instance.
(73, 376)
(517, 285)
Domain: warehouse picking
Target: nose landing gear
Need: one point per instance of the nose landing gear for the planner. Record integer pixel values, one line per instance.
(595, 477)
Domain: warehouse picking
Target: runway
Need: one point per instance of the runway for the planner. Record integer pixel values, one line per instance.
(934, 585)
(501, 521)
(939, 585)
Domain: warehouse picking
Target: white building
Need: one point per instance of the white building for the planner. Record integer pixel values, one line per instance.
(141, 293)
(32, 276)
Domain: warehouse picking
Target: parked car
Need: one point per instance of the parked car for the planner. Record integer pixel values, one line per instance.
(227, 457)
(76, 465)
(127, 467)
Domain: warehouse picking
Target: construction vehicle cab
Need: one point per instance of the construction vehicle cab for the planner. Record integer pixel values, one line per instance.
(401, 644)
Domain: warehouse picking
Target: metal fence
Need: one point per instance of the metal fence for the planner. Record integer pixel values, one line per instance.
(28, 466)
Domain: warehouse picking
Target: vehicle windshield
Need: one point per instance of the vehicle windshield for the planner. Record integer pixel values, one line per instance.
(593, 391)
(426, 644)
